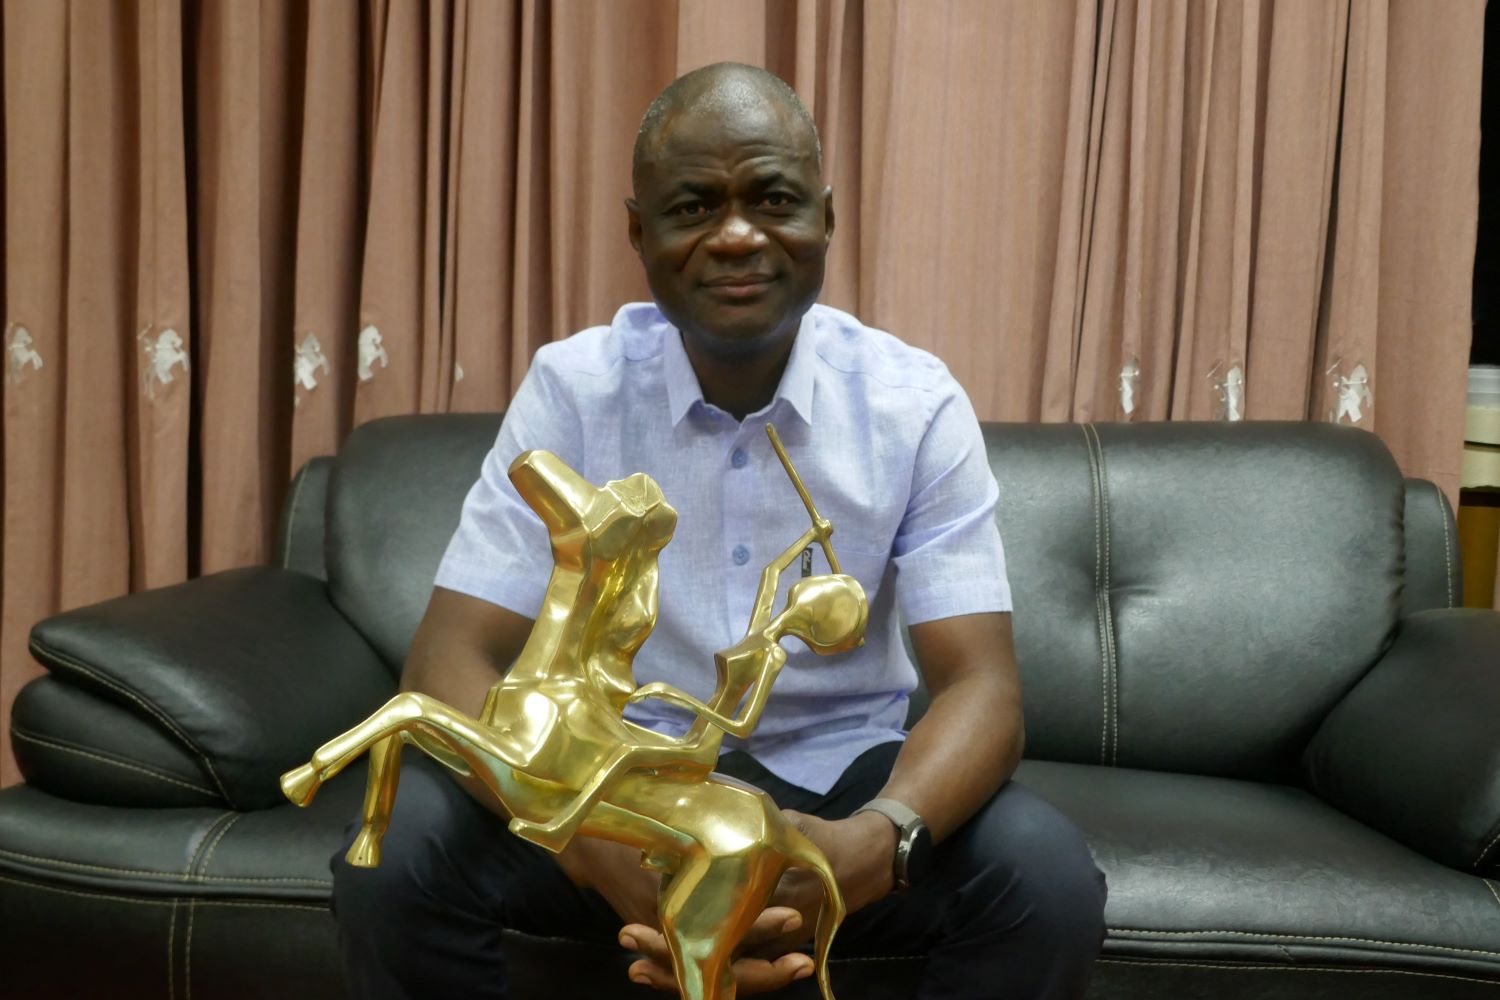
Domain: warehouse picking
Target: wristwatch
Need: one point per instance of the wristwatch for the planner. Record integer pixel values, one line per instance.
(913, 841)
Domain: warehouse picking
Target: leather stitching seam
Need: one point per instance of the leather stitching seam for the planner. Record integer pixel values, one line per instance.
(1487, 848)
(1493, 891)
(1098, 617)
(116, 897)
(1250, 967)
(1437, 496)
(1301, 938)
(22, 734)
(1109, 617)
(55, 656)
(187, 962)
(178, 876)
(208, 856)
(291, 518)
(171, 961)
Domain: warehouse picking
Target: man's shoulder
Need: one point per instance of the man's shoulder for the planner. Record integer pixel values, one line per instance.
(635, 334)
(853, 350)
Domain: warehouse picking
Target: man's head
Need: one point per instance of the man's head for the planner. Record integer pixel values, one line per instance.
(730, 216)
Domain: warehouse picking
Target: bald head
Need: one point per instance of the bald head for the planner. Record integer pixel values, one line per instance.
(724, 91)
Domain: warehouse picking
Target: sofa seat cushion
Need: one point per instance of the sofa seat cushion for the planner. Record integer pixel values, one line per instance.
(201, 902)
(279, 853)
(1216, 870)
(256, 888)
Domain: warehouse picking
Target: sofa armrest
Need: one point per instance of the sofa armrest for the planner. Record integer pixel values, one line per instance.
(1414, 749)
(249, 669)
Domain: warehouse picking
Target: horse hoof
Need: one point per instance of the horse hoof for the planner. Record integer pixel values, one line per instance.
(300, 784)
(365, 851)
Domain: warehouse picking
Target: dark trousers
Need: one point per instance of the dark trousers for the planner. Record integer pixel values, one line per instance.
(1013, 906)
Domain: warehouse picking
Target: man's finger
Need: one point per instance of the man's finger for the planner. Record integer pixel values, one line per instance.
(648, 941)
(773, 922)
(649, 973)
(756, 975)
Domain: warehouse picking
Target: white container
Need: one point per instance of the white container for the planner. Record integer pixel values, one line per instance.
(1481, 462)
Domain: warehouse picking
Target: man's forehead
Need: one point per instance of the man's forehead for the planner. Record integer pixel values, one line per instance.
(713, 129)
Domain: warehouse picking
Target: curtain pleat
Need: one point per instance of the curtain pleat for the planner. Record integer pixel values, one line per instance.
(235, 230)
(37, 197)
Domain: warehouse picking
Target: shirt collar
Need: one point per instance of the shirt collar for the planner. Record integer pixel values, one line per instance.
(796, 386)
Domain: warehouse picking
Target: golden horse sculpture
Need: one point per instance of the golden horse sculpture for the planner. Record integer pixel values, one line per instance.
(552, 746)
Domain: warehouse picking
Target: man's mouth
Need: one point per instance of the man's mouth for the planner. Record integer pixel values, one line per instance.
(739, 286)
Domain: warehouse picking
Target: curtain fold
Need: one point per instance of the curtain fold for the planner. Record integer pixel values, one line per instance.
(235, 230)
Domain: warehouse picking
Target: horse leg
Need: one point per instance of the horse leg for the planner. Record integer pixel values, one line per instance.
(706, 908)
(380, 795)
(699, 935)
(405, 711)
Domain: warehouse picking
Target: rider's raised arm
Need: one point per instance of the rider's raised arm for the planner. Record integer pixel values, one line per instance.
(770, 578)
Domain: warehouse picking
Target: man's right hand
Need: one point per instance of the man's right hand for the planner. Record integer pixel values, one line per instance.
(614, 871)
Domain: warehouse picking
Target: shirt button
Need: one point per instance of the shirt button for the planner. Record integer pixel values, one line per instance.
(741, 555)
(738, 458)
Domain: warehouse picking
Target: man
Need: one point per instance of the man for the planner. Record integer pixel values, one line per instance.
(732, 223)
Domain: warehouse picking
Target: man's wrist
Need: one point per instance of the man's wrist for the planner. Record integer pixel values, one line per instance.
(864, 868)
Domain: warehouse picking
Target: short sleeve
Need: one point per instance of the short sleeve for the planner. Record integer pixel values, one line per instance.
(500, 552)
(947, 551)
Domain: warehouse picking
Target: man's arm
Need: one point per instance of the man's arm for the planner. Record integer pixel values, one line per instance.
(462, 647)
(963, 749)
(956, 756)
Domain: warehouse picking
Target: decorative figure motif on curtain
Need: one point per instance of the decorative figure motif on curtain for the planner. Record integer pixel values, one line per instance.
(552, 745)
(19, 354)
(1130, 382)
(1351, 394)
(307, 362)
(1230, 390)
(371, 350)
(162, 355)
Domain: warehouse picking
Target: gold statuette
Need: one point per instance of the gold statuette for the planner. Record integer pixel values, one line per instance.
(552, 746)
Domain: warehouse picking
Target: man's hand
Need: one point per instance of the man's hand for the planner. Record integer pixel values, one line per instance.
(859, 850)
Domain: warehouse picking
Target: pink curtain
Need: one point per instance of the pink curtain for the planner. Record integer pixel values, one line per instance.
(1128, 209)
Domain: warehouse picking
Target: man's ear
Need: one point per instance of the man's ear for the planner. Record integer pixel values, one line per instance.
(634, 225)
(827, 214)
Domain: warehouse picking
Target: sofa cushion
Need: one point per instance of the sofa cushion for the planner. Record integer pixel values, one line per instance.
(394, 497)
(250, 670)
(78, 746)
(1195, 597)
(1414, 750)
(1219, 870)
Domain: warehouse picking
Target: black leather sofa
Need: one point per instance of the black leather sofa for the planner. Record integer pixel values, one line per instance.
(1244, 680)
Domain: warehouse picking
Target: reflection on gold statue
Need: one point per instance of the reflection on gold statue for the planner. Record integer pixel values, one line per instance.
(551, 743)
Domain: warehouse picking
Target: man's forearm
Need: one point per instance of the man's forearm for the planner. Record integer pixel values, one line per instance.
(962, 749)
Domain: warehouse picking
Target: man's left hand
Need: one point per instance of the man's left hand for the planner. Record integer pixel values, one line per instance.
(859, 849)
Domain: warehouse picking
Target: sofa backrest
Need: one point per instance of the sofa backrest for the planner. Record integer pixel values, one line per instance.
(394, 496)
(1195, 597)
(1189, 597)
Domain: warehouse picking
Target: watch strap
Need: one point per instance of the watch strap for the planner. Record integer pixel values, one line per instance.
(899, 813)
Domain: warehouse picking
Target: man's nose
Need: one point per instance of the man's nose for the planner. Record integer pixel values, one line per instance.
(736, 236)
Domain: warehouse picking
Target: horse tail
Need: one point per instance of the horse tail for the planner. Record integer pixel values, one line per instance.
(804, 854)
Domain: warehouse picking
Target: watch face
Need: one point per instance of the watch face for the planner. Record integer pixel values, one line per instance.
(918, 851)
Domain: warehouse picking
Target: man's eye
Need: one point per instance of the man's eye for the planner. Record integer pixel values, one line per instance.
(690, 209)
(778, 200)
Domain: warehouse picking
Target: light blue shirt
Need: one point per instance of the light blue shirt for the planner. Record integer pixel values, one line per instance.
(889, 449)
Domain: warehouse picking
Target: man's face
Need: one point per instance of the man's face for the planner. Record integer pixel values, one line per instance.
(732, 224)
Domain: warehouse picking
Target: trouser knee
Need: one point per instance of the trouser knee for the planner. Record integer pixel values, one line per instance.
(1031, 855)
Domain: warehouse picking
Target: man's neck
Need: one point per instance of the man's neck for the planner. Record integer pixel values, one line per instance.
(740, 386)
